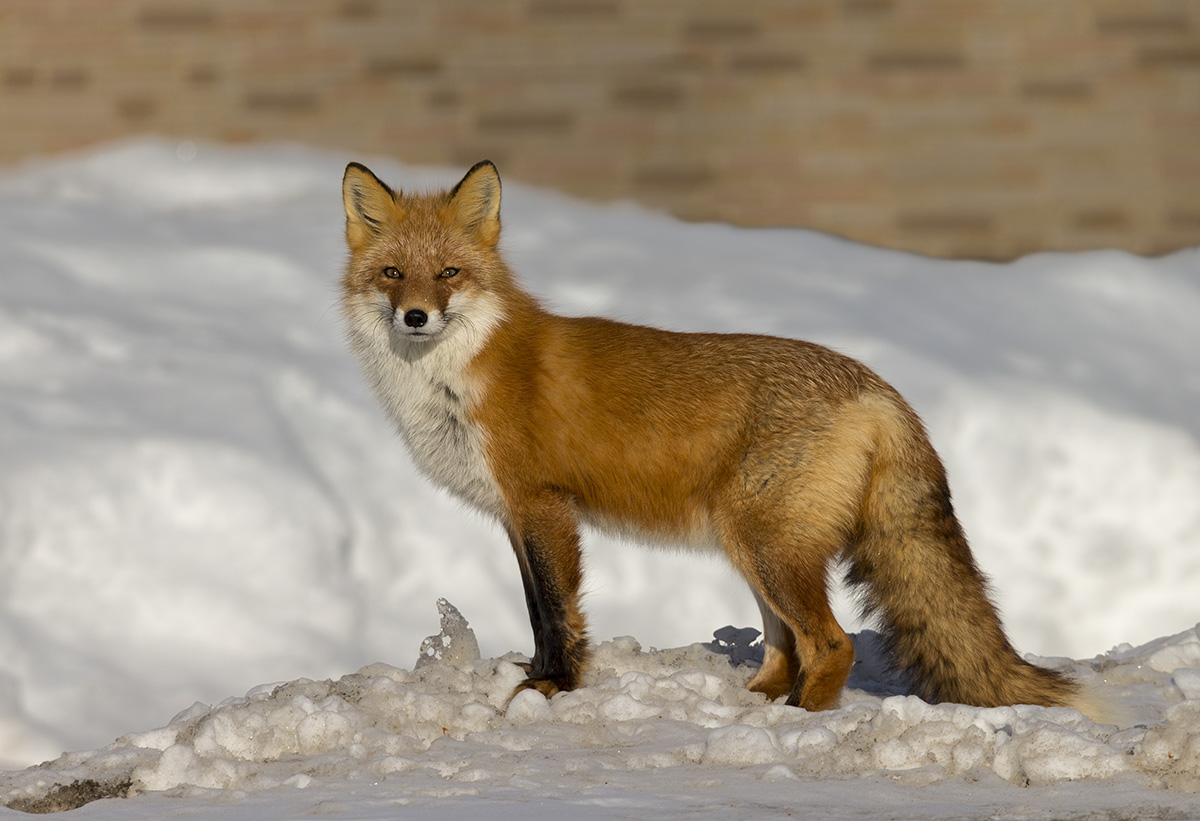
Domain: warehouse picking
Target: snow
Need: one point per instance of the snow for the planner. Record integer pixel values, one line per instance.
(197, 494)
(448, 731)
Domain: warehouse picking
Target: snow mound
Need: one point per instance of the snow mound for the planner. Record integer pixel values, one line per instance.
(451, 727)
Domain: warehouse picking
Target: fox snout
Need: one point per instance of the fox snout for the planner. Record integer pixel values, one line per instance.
(417, 323)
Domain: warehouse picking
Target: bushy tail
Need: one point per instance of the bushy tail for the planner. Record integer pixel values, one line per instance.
(918, 577)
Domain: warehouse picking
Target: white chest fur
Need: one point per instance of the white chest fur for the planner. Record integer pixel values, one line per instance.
(424, 387)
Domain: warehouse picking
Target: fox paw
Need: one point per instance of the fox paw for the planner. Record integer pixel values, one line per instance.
(545, 686)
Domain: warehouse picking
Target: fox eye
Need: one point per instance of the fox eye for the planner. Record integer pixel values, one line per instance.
(392, 272)
(449, 272)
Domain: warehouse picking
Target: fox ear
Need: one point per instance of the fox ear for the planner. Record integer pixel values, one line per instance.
(369, 204)
(475, 203)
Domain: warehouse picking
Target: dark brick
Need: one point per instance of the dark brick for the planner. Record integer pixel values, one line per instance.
(444, 98)
(1101, 219)
(1144, 24)
(19, 77)
(467, 155)
(675, 177)
(69, 79)
(203, 75)
(767, 63)
(526, 122)
(720, 30)
(403, 67)
(1184, 220)
(292, 102)
(1182, 57)
(137, 108)
(1056, 90)
(947, 222)
(647, 95)
(867, 6)
(357, 9)
(174, 18)
(571, 9)
(916, 61)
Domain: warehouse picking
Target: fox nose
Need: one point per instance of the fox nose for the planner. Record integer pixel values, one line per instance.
(415, 318)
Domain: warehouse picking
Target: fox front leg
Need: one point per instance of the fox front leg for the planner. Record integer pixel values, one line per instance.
(546, 543)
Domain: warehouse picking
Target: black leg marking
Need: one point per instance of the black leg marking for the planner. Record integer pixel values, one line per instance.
(556, 654)
(560, 651)
(531, 604)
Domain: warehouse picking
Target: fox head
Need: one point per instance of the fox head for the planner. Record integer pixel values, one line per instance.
(423, 264)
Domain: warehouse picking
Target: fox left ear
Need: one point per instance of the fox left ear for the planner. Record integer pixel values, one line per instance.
(369, 204)
(475, 203)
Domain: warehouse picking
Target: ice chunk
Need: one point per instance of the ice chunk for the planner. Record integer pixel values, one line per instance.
(455, 644)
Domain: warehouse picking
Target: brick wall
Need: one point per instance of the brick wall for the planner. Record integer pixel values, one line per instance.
(980, 128)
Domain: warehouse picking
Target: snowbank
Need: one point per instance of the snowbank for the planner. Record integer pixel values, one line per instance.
(197, 493)
(448, 729)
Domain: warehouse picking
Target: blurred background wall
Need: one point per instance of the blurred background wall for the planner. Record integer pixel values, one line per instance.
(966, 128)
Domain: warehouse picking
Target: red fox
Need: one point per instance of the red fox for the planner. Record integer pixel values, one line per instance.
(782, 454)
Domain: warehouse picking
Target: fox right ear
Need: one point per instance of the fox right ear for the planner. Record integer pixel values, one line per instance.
(369, 204)
(475, 203)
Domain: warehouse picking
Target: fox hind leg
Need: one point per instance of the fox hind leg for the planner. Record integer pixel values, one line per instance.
(781, 665)
(824, 651)
(789, 582)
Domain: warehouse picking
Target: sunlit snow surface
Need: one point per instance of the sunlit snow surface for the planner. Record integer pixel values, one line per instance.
(650, 731)
(197, 495)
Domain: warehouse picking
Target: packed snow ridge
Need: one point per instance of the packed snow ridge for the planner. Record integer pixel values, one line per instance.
(450, 727)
